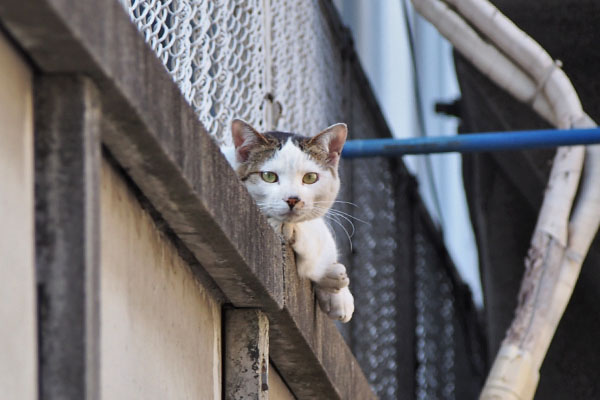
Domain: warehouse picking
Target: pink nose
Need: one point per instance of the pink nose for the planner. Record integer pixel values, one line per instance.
(292, 201)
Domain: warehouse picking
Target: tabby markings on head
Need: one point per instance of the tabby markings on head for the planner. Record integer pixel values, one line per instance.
(274, 141)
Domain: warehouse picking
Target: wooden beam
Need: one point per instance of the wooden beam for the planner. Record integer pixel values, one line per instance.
(67, 162)
(157, 139)
(246, 354)
(301, 336)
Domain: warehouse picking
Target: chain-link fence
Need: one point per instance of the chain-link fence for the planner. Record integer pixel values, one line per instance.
(214, 50)
(289, 65)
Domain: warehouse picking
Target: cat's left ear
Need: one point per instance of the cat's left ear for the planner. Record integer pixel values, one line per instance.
(245, 137)
(332, 139)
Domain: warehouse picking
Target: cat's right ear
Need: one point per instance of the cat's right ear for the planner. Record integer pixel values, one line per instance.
(244, 138)
(332, 139)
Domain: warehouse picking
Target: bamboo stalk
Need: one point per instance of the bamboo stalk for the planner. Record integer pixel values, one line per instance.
(558, 247)
(484, 56)
(515, 372)
(526, 52)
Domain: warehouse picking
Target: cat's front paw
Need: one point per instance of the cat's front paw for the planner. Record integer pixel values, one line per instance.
(276, 225)
(337, 304)
(335, 277)
(289, 233)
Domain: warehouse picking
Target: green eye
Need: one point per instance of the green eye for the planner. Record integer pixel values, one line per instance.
(268, 176)
(310, 178)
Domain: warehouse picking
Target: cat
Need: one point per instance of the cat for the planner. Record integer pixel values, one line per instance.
(294, 181)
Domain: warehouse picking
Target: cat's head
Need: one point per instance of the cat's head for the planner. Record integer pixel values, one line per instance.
(292, 178)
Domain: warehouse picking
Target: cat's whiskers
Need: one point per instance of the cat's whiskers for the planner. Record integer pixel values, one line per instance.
(330, 229)
(328, 214)
(318, 212)
(282, 158)
(349, 236)
(338, 201)
(266, 206)
(333, 213)
(344, 215)
(342, 212)
(349, 216)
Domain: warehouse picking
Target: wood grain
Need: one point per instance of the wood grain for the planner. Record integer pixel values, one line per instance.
(158, 141)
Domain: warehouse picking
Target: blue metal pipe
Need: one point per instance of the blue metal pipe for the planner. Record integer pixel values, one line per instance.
(491, 141)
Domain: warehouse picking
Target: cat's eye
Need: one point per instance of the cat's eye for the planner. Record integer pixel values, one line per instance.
(310, 178)
(268, 176)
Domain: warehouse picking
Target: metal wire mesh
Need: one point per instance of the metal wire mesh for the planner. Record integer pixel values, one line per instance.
(307, 69)
(374, 330)
(435, 324)
(213, 49)
(231, 58)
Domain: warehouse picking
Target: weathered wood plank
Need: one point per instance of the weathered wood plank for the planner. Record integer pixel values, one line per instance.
(156, 137)
(246, 354)
(302, 335)
(67, 156)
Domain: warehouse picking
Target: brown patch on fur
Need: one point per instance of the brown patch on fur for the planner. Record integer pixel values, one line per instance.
(317, 153)
(257, 156)
(261, 152)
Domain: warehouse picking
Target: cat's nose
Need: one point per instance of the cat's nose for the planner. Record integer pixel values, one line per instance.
(292, 201)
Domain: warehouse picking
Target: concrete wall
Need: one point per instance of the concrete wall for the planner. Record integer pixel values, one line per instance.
(18, 337)
(278, 390)
(142, 319)
(160, 330)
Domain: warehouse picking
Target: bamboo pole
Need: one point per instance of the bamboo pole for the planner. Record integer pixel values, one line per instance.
(528, 54)
(558, 247)
(485, 56)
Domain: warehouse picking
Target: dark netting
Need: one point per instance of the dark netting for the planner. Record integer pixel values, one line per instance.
(449, 344)
(373, 276)
(435, 328)
(415, 332)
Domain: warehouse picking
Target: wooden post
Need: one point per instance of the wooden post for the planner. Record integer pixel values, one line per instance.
(67, 161)
(246, 354)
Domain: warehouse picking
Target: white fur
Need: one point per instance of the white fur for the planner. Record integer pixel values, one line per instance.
(304, 226)
(316, 259)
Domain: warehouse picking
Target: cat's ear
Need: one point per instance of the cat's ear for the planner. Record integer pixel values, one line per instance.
(244, 138)
(332, 139)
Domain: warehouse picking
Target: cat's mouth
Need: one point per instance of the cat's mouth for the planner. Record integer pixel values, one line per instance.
(291, 215)
(288, 216)
(297, 215)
